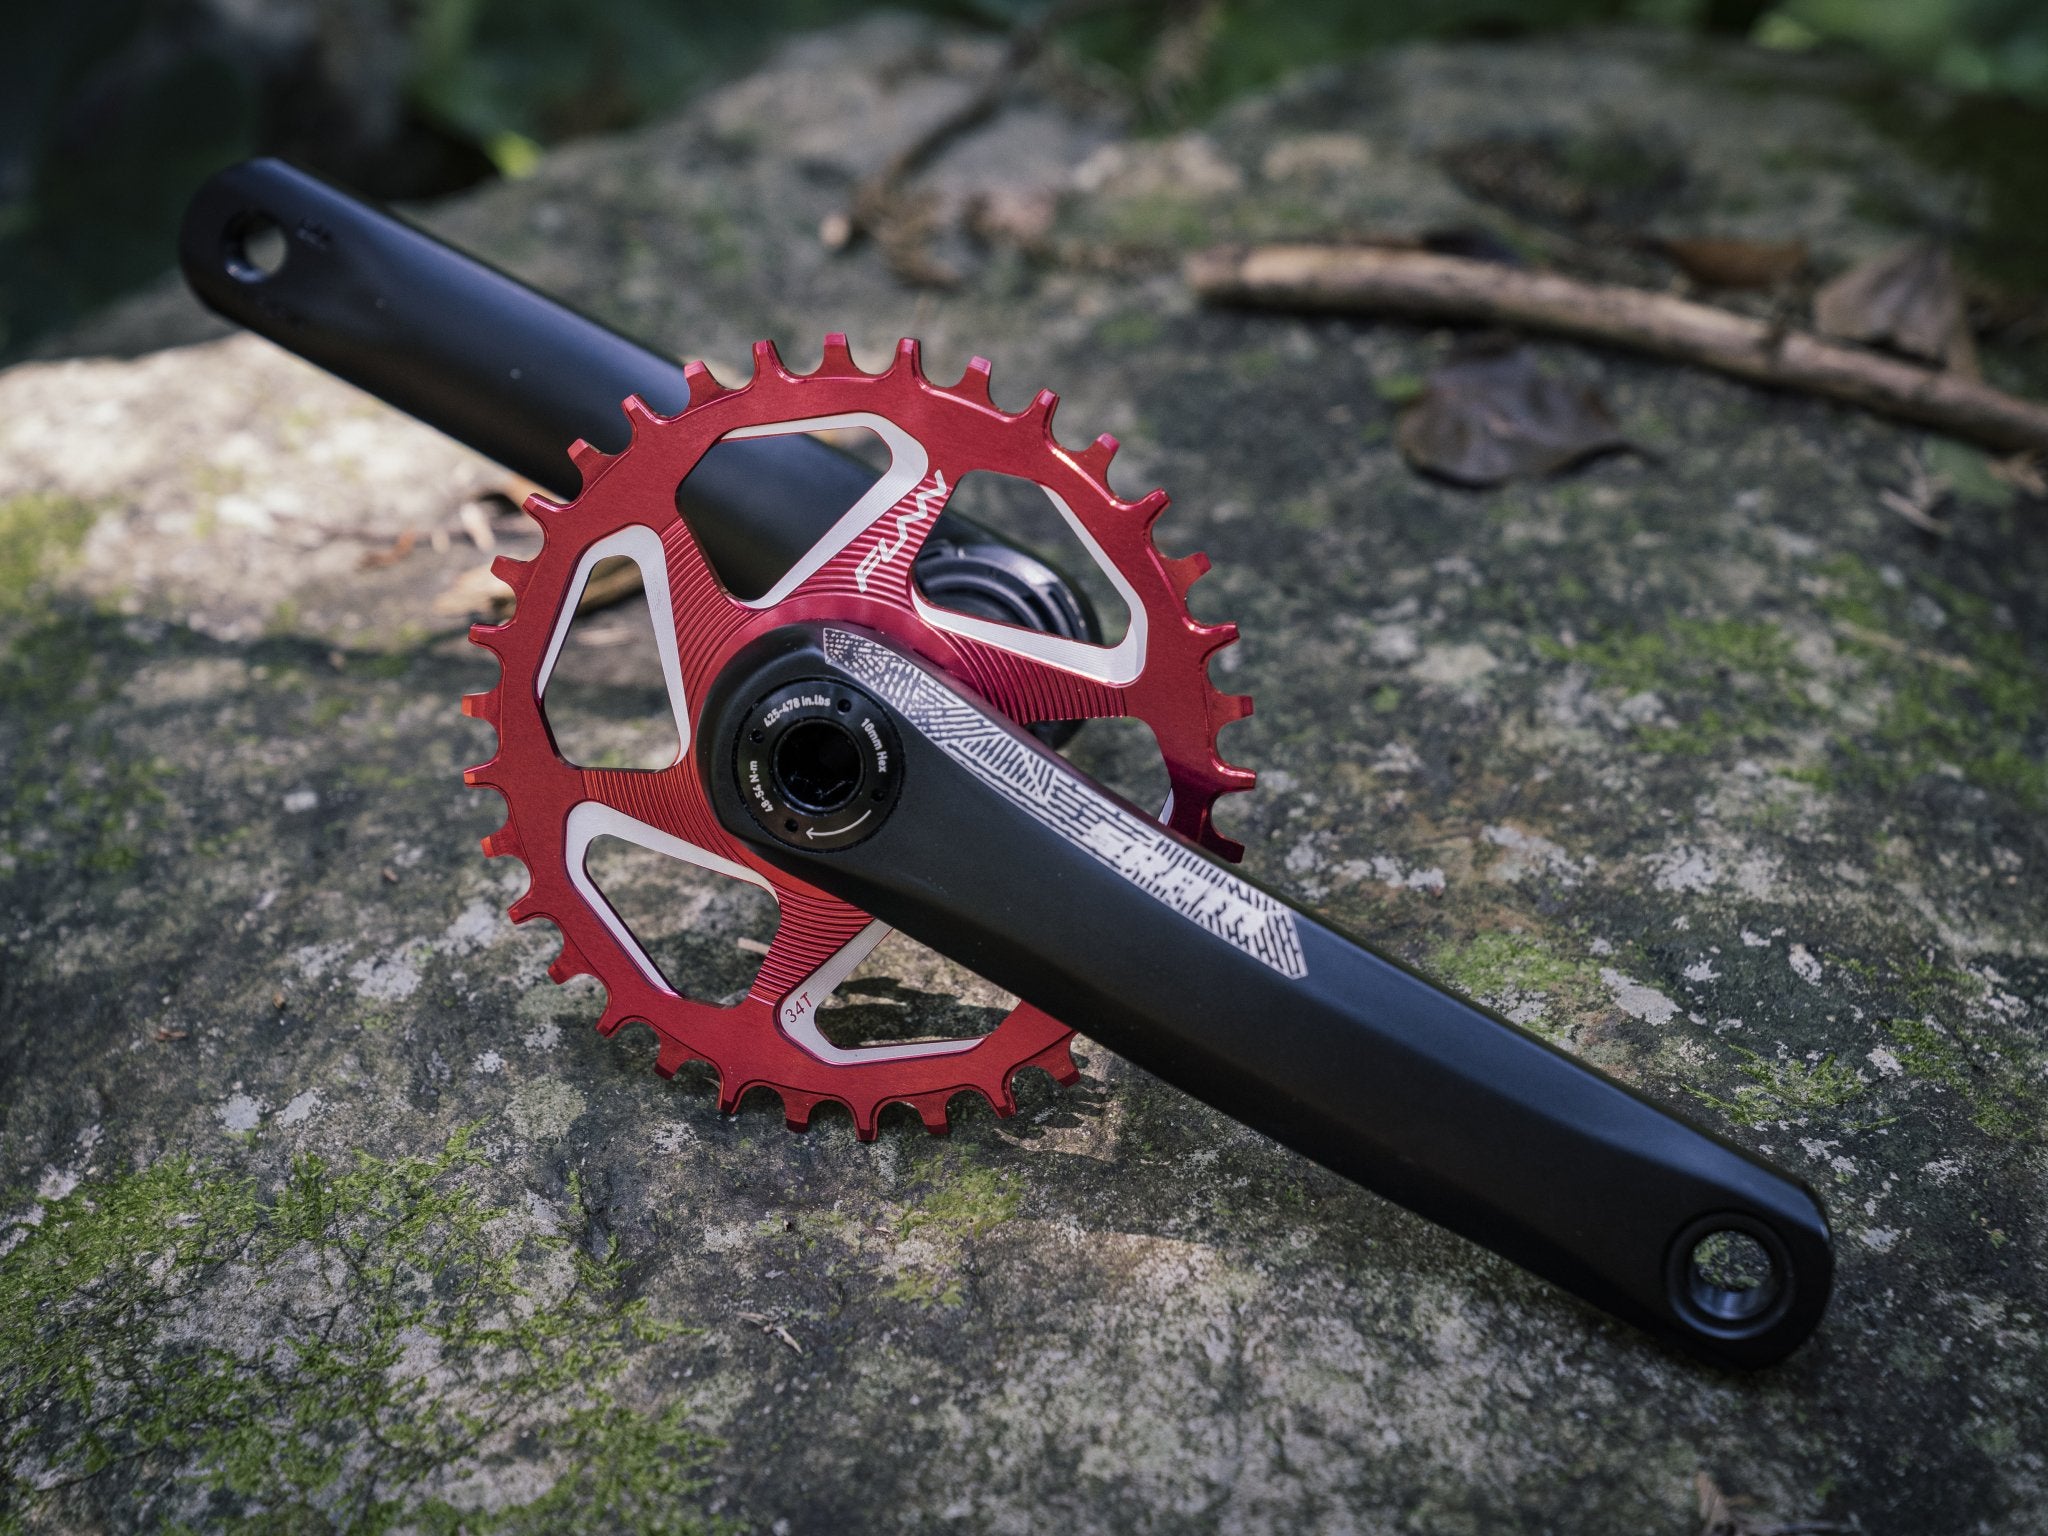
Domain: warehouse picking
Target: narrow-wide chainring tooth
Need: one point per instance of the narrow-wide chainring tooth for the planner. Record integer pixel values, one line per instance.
(974, 382)
(1095, 459)
(590, 460)
(482, 706)
(932, 1111)
(1187, 570)
(514, 573)
(569, 964)
(837, 361)
(1198, 773)
(672, 1056)
(704, 385)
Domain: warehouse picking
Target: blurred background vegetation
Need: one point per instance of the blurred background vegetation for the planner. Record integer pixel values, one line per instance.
(112, 110)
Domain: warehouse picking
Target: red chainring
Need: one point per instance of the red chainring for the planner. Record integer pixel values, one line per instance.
(859, 574)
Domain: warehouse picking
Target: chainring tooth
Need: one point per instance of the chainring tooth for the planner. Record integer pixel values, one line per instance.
(744, 1043)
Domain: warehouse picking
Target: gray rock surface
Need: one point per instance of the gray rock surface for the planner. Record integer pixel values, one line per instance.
(1700, 761)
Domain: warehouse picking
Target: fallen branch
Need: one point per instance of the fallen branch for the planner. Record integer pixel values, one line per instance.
(1420, 285)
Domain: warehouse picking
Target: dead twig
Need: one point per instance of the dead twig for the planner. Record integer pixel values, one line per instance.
(1424, 286)
(1863, 634)
(1921, 498)
(769, 1326)
(1724, 1516)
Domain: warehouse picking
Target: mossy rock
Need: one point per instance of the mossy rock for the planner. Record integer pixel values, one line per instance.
(1699, 760)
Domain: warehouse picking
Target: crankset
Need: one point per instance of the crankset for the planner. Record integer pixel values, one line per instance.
(866, 689)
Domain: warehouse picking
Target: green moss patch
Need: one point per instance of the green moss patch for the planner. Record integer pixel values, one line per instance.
(1524, 977)
(68, 792)
(1787, 1087)
(37, 533)
(183, 1350)
(1723, 682)
(2002, 1100)
(1946, 677)
(963, 1200)
(1964, 694)
(71, 792)
(968, 1201)
(1943, 1050)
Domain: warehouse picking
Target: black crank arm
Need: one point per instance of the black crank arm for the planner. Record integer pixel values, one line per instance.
(946, 822)
(507, 370)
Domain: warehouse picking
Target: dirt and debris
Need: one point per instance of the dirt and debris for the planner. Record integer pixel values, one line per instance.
(1907, 299)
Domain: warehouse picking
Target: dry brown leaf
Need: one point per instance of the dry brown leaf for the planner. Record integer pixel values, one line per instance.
(1716, 1518)
(1721, 1515)
(1962, 666)
(1019, 216)
(1484, 419)
(1907, 299)
(1729, 263)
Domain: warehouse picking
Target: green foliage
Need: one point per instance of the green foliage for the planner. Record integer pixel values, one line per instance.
(1967, 45)
(509, 72)
(336, 1355)
(1130, 328)
(1399, 388)
(1967, 471)
(1187, 61)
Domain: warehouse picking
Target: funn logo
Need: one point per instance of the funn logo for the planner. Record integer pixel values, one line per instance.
(925, 502)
